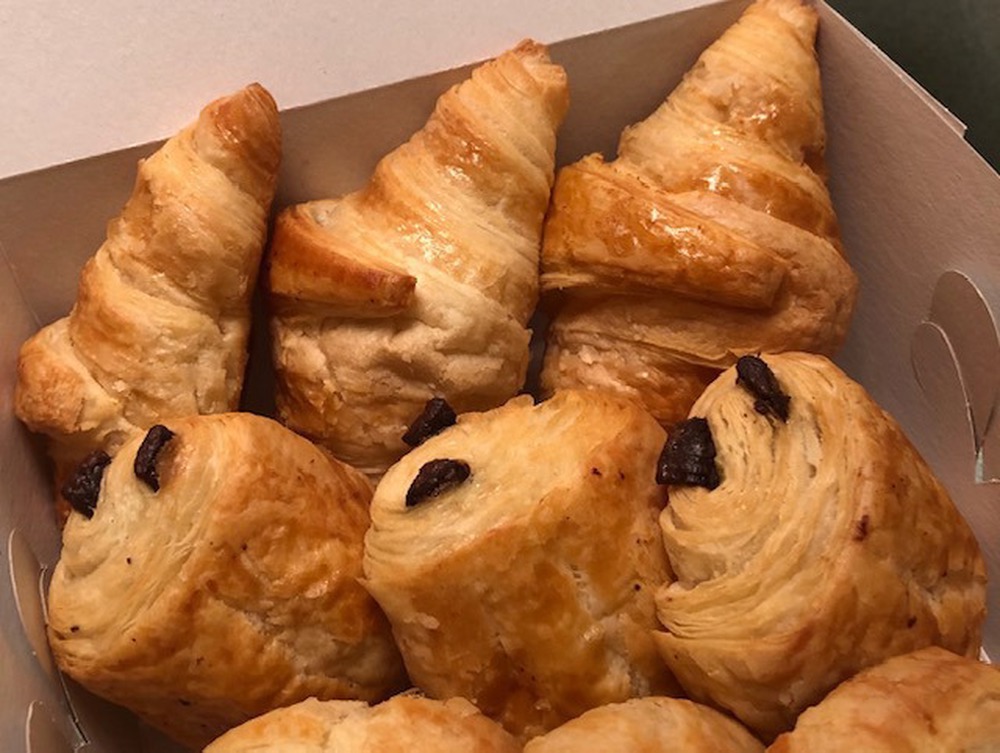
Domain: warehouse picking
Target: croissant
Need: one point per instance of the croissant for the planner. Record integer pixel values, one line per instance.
(649, 725)
(209, 574)
(809, 541)
(712, 235)
(162, 314)
(404, 723)
(516, 555)
(421, 283)
(930, 700)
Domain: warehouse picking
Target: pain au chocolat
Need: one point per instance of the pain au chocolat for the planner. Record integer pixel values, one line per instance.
(210, 575)
(421, 283)
(823, 546)
(516, 554)
(162, 316)
(712, 235)
(403, 724)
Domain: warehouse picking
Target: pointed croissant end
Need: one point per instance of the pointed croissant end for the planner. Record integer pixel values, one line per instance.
(534, 57)
(802, 17)
(241, 135)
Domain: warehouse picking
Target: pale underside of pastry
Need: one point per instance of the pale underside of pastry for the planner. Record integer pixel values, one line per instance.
(421, 283)
(403, 724)
(712, 235)
(827, 547)
(930, 701)
(528, 586)
(221, 595)
(649, 725)
(160, 324)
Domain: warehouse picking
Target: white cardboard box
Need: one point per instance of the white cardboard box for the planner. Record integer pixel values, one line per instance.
(918, 210)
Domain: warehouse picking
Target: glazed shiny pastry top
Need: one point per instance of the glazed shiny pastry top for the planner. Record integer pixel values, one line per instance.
(420, 284)
(828, 546)
(160, 325)
(712, 235)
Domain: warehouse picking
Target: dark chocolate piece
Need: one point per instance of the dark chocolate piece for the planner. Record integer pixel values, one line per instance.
(688, 457)
(149, 450)
(435, 418)
(435, 477)
(756, 377)
(83, 489)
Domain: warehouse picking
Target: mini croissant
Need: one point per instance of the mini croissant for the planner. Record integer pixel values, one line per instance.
(162, 315)
(711, 236)
(420, 284)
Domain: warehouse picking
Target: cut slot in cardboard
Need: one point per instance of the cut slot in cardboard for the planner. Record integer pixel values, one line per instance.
(918, 210)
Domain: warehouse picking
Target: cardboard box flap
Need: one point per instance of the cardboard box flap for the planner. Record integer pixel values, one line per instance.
(915, 202)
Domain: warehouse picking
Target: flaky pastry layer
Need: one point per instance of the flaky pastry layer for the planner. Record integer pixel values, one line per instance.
(230, 591)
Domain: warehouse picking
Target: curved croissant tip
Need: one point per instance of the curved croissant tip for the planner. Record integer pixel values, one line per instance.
(530, 48)
(260, 94)
(799, 13)
(252, 99)
(248, 120)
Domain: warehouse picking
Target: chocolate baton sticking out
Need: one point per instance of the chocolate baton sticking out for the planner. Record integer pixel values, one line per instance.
(435, 418)
(83, 489)
(688, 457)
(435, 477)
(756, 377)
(149, 450)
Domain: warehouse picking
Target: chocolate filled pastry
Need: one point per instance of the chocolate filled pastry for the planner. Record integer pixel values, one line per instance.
(825, 547)
(210, 574)
(930, 700)
(712, 235)
(160, 324)
(516, 555)
(420, 285)
(649, 725)
(404, 723)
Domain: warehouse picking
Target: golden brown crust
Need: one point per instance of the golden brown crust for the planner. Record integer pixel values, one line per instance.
(711, 235)
(162, 314)
(403, 724)
(829, 547)
(305, 265)
(649, 725)
(222, 595)
(423, 281)
(502, 590)
(617, 230)
(930, 700)
(746, 122)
